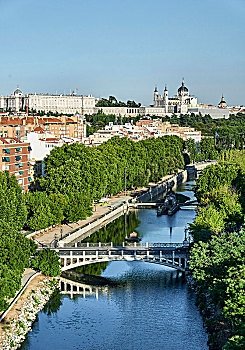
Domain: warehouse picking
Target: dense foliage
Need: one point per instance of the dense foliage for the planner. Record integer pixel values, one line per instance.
(77, 175)
(218, 256)
(15, 248)
(112, 102)
(228, 133)
(100, 120)
(47, 261)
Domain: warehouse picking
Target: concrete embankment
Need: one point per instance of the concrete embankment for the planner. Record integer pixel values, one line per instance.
(153, 191)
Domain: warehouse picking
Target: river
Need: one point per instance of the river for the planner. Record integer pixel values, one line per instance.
(147, 307)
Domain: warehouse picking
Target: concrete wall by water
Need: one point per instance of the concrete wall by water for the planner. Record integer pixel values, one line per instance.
(152, 192)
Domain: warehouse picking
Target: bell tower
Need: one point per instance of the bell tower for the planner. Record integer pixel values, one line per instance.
(165, 99)
(155, 97)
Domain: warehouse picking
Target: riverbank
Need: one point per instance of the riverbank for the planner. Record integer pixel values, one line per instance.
(18, 322)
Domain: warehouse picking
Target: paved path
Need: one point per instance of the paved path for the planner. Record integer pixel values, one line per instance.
(26, 275)
(98, 210)
(47, 237)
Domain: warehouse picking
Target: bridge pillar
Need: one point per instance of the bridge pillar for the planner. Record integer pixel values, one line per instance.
(65, 286)
(160, 254)
(135, 244)
(99, 244)
(97, 255)
(147, 244)
(87, 244)
(71, 291)
(135, 254)
(111, 244)
(148, 253)
(84, 255)
(122, 253)
(97, 293)
(75, 244)
(123, 244)
(180, 262)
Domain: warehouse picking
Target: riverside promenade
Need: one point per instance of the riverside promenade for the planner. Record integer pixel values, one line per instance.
(46, 237)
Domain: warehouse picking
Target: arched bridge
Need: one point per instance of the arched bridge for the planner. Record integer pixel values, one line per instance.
(174, 255)
(73, 288)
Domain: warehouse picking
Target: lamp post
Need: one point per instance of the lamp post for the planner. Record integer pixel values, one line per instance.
(125, 180)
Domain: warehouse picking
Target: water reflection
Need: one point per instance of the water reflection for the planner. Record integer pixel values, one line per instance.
(148, 307)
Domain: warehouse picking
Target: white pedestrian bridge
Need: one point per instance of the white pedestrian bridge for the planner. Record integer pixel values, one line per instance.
(174, 255)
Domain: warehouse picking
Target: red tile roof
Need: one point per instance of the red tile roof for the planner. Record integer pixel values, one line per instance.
(39, 129)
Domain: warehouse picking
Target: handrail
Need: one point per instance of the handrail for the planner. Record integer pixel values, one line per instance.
(123, 245)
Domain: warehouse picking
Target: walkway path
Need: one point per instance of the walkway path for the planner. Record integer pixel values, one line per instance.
(48, 236)
(98, 210)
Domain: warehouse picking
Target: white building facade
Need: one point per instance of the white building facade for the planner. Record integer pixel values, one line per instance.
(177, 104)
(66, 104)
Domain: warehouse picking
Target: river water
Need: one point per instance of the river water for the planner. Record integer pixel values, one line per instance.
(148, 306)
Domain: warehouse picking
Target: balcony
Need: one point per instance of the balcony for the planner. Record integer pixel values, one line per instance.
(5, 159)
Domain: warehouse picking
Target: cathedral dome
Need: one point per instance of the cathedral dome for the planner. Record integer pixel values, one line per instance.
(183, 89)
(17, 92)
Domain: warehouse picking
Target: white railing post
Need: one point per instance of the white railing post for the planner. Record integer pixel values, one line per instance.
(87, 244)
(111, 244)
(99, 244)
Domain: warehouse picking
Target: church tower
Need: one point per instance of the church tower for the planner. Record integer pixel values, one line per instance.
(155, 97)
(165, 99)
(222, 103)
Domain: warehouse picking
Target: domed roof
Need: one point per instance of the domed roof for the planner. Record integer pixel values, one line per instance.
(17, 92)
(222, 99)
(183, 88)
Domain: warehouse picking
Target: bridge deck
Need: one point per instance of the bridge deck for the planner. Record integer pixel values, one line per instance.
(173, 255)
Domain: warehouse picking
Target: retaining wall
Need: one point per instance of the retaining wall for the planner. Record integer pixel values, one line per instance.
(94, 225)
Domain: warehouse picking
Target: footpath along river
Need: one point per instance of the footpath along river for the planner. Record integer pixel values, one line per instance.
(149, 307)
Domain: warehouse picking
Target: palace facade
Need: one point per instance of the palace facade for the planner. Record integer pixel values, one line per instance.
(66, 104)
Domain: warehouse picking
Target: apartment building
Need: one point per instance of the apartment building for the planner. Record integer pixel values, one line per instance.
(15, 126)
(15, 157)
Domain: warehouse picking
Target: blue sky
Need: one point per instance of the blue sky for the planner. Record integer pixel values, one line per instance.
(124, 48)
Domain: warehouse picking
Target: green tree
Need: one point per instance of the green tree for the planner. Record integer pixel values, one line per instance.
(47, 261)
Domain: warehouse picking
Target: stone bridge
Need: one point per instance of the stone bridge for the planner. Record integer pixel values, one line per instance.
(174, 255)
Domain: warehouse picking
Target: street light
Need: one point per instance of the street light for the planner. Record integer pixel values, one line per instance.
(125, 180)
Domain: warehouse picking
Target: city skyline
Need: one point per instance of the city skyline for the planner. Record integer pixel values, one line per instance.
(124, 49)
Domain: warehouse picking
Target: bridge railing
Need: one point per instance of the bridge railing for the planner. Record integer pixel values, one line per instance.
(125, 244)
